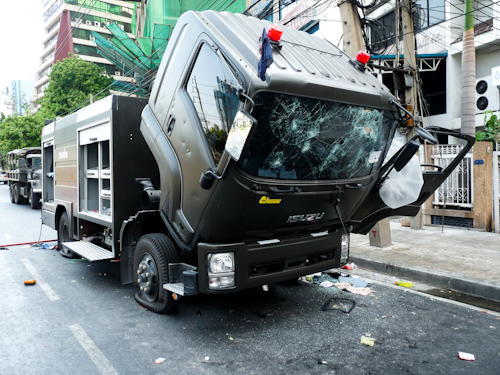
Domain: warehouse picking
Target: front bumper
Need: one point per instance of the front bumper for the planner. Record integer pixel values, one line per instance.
(273, 261)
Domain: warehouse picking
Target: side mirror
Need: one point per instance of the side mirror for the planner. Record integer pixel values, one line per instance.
(239, 134)
(406, 154)
(236, 142)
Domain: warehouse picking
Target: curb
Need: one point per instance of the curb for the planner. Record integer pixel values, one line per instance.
(470, 287)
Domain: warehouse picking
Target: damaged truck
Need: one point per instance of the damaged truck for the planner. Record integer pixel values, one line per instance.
(231, 177)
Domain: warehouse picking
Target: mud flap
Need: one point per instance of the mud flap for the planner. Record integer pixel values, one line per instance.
(374, 209)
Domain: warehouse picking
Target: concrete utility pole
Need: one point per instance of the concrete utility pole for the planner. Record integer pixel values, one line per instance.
(351, 27)
(411, 84)
(380, 234)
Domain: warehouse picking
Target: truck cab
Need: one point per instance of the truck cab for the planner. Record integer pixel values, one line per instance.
(252, 177)
(24, 171)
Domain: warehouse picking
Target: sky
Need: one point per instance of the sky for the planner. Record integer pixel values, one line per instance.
(21, 32)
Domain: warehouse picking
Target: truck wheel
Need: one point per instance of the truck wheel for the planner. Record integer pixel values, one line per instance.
(64, 235)
(35, 200)
(152, 255)
(11, 191)
(17, 195)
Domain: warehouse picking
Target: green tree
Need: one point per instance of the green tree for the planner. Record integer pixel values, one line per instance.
(21, 131)
(71, 83)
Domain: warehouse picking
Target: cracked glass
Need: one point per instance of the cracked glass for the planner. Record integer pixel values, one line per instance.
(309, 139)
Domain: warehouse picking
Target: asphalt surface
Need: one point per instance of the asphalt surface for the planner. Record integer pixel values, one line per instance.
(79, 319)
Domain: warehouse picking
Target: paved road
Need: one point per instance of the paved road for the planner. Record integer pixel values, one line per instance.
(79, 319)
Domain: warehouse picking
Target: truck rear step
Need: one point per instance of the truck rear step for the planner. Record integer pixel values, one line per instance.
(88, 250)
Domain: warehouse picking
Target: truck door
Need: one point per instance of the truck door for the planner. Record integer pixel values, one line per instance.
(374, 209)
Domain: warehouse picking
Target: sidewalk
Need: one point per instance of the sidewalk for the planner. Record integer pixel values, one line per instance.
(462, 260)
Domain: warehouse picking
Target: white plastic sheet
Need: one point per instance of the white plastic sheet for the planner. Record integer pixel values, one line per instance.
(402, 188)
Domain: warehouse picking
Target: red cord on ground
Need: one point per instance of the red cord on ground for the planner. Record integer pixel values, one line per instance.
(27, 243)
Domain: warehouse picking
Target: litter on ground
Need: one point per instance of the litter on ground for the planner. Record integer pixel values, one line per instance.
(370, 341)
(466, 356)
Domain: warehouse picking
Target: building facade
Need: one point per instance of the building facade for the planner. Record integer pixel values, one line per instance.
(68, 26)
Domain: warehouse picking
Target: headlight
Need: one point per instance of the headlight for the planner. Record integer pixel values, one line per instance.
(221, 262)
(221, 270)
(35, 176)
(344, 249)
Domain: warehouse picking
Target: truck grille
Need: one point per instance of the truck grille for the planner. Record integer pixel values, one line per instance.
(286, 264)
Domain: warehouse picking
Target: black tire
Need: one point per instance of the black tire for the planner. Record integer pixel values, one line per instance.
(152, 255)
(64, 235)
(11, 191)
(35, 200)
(17, 195)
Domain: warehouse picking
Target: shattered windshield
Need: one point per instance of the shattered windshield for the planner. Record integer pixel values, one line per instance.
(309, 139)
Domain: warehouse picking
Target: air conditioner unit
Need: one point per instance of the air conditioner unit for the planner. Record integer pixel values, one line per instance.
(118, 73)
(88, 22)
(121, 27)
(92, 38)
(97, 23)
(78, 21)
(486, 95)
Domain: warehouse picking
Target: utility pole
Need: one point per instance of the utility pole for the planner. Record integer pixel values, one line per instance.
(411, 84)
(380, 234)
(351, 27)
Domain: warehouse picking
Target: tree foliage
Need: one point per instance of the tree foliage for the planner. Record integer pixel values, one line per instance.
(71, 83)
(491, 130)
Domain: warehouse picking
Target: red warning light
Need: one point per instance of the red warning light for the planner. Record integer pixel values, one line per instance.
(363, 57)
(274, 33)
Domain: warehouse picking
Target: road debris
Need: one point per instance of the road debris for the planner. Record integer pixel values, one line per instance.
(354, 281)
(349, 266)
(354, 290)
(29, 282)
(342, 304)
(466, 356)
(370, 341)
(160, 360)
(406, 284)
(326, 284)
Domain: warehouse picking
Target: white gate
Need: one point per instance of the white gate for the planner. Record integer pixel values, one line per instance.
(496, 188)
(457, 189)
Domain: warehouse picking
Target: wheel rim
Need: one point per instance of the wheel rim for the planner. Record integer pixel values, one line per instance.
(147, 277)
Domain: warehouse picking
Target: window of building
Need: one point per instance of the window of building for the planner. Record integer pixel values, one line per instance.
(429, 12)
(212, 89)
(92, 19)
(51, 41)
(102, 7)
(80, 49)
(54, 7)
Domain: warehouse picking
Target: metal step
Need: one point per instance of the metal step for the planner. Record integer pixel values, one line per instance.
(88, 250)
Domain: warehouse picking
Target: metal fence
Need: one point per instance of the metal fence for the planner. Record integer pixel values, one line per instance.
(457, 189)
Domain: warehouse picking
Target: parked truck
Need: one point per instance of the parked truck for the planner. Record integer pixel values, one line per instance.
(228, 178)
(24, 172)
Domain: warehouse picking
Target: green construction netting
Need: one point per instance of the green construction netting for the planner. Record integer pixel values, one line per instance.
(140, 59)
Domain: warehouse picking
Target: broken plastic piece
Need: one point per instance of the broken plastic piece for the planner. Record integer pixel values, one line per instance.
(159, 360)
(349, 266)
(29, 282)
(466, 356)
(406, 284)
(370, 341)
(343, 304)
(326, 284)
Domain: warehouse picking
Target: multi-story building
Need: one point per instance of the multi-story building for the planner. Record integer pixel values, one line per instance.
(14, 97)
(68, 26)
